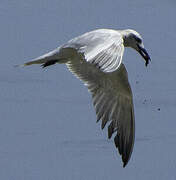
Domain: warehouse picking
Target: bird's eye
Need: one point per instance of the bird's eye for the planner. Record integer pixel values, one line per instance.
(138, 40)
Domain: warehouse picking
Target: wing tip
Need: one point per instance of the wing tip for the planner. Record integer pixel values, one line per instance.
(124, 164)
(124, 149)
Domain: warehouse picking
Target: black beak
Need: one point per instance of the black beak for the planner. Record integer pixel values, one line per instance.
(144, 54)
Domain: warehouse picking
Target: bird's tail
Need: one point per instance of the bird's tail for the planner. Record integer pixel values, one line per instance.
(45, 60)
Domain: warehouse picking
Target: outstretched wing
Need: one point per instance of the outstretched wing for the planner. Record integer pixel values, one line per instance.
(112, 99)
(103, 48)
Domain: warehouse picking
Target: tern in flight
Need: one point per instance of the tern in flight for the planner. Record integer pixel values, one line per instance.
(96, 59)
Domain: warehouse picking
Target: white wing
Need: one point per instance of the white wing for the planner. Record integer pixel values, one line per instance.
(103, 48)
(112, 99)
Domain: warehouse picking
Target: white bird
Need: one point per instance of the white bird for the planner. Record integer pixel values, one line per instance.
(96, 58)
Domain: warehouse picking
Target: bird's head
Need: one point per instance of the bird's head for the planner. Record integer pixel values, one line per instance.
(133, 39)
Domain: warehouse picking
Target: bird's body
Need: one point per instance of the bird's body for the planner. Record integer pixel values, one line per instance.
(96, 59)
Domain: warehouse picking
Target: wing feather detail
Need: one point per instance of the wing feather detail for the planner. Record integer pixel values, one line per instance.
(102, 48)
(112, 99)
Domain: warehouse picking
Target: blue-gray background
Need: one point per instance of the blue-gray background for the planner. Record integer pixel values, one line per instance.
(47, 121)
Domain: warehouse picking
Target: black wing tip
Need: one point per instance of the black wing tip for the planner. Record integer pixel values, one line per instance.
(124, 164)
(126, 151)
(125, 160)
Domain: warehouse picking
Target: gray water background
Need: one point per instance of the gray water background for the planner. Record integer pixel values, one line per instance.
(47, 121)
